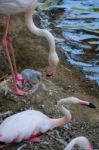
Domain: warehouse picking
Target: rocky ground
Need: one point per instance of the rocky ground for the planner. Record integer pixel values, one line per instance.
(32, 52)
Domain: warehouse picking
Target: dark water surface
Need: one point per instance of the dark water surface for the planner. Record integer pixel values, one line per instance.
(76, 27)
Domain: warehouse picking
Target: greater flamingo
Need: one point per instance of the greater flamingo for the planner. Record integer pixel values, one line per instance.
(81, 141)
(9, 7)
(28, 124)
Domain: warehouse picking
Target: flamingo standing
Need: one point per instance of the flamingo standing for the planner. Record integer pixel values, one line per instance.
(10, 7)
(81, 141)
(28, 124)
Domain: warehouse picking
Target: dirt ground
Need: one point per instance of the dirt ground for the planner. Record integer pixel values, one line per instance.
(32, 52)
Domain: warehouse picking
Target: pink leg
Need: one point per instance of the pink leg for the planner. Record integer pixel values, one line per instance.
(33, 138)
(7, 44)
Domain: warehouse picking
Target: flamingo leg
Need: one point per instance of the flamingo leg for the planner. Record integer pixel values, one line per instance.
(33, 138)
(7, 44)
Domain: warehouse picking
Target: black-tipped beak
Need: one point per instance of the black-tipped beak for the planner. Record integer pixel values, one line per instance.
(49, 75)
(91, 105)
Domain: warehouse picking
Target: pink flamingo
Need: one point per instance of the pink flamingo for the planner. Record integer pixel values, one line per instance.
(28, 124)
(81, 141)
(9, 7)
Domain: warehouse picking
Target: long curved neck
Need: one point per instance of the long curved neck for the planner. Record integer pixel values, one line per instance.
(40, 32)
(70, 145)
(67, 115)
(59, 122)
(64, 110)
(81, 142)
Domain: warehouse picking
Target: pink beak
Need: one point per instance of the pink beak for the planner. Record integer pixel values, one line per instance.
(88, 104)
(52, 71)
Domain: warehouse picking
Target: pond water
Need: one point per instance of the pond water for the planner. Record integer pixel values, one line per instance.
(75, 24)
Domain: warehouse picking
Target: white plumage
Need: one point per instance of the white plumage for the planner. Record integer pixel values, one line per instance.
(81, 141)
(23, 125)
(10, 7)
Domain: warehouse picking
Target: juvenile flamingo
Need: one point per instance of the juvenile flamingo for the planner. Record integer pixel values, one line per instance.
(32, 78)
(28, 124)
(10, 7)
(81, 141)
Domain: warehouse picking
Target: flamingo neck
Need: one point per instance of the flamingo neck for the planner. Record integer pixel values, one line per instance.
(65, 111)
(40, 32)
(59, 122)
(70, 145)
(62, 121)
(81, 142)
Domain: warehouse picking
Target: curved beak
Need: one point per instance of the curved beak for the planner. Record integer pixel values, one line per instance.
(51, 71)
(88, 104)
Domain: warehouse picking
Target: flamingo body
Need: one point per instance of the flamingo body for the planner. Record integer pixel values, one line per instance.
(23, 125)
(11, 7)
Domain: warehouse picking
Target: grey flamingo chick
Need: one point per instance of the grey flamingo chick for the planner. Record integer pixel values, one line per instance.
(31, 77)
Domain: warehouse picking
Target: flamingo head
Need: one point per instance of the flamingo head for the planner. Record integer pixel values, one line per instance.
(53, 63)
(75, 100)
(81, 141)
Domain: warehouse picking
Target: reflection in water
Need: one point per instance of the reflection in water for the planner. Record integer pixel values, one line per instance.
(79, 27)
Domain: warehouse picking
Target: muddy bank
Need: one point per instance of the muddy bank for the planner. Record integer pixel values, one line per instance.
(32, 52)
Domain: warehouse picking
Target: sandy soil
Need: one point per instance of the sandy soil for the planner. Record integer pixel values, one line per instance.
(32, 52)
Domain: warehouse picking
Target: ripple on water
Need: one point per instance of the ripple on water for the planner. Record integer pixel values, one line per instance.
(79, 26)
(77, 29)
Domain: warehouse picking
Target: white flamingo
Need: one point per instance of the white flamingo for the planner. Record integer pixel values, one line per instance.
(10, 7)
(81, 141)
(28, 124)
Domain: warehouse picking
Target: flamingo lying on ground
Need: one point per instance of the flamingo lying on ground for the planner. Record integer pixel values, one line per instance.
(28, 124)
(80, 141)
(9, 8)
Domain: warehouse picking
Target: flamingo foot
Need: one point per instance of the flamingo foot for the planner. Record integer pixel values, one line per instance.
(19, 91)
(19, 77)
(33, 138)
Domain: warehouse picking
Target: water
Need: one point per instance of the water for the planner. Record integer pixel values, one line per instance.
(76, 24)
